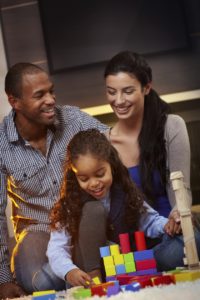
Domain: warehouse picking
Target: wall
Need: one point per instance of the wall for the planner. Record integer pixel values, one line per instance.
(174, 71)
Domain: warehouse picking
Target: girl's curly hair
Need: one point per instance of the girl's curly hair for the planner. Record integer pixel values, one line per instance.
(67, 211)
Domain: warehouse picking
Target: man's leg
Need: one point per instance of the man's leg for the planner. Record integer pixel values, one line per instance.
(92, 236)
(29, 258)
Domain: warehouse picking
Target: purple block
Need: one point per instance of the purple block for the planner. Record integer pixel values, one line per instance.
(113, 290)
(110, 278)
(143, 255)
(147, 272)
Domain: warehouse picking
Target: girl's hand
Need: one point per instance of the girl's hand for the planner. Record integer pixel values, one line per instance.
(77, 277)
(173, 227)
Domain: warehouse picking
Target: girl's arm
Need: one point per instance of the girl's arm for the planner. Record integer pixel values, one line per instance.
(59, 253)
(152, 223)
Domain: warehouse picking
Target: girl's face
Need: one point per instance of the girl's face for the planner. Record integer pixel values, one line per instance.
(126, 95)
(94, 176)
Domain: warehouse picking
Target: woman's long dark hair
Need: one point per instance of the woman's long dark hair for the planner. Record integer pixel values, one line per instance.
(67, 211)
(151, 138)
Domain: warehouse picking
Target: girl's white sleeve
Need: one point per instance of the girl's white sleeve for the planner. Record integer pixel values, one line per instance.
(152, 223)
(59, 253)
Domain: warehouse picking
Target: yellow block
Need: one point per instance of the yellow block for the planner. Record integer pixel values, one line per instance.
(118, 259)
(108, 260)
(41, 293)
(110, 270)
(96, 280)
(187, 275)
(114, 249)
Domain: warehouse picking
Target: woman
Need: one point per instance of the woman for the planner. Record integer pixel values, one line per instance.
(151, 142)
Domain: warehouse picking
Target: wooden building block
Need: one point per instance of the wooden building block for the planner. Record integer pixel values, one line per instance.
(118, 259)
(108, 260)
(114, 249)
(165, 279)
(120, 269)
(145, 264)
(104, 251)
(143, 255)
(187, 275)
(130, 267)
(128, 257)
(110, 270)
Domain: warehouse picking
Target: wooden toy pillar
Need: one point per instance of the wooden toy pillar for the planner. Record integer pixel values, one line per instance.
(186, 222)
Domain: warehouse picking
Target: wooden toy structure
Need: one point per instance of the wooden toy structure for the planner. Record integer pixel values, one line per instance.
(183, 207)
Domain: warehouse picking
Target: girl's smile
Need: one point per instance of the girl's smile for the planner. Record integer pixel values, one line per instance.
(93, 174)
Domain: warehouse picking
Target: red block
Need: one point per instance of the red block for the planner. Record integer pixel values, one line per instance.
(165, 279)
(98, 290)
(145, 264)
(101, 289)
(124, 243)
(124, 279)
(143, 282)
(140, 240)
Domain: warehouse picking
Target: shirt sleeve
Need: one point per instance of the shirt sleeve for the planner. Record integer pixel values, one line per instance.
(178, 154)
(59, 253)
(91, 122)
(152, 223)
(5, 273)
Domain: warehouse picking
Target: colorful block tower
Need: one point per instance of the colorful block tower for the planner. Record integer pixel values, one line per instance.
(120, 260)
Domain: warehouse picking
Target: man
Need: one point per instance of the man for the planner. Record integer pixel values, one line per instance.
(33, 141)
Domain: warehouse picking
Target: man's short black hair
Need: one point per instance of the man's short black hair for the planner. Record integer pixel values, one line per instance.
(13, 79)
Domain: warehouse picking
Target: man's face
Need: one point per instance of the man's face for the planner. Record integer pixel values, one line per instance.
(37, 103)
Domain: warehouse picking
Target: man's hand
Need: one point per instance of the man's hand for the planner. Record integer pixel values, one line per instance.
(77, 277)
(10, 290)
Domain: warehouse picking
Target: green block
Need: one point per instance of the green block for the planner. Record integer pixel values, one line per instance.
(128, 258)
(130, 267)
(82, 293)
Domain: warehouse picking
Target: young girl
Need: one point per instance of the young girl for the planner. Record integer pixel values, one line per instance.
(98, 202)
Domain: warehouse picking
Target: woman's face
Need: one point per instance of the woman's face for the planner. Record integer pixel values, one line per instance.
(94, 175)
(126, 95)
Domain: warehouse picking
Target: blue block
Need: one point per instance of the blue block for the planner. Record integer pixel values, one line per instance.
(135, 286)
(120, 269)
(143, 255)
(105, 251)
(44, 297)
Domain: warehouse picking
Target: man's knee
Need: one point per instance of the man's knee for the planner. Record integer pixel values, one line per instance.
(45, 279)
(28, 257)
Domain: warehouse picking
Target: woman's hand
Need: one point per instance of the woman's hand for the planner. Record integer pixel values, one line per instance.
(77, 277)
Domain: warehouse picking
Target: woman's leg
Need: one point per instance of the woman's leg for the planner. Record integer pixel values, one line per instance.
(29, 258)
(169, 253)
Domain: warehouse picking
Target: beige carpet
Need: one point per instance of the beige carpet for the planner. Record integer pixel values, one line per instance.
(189, 290)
